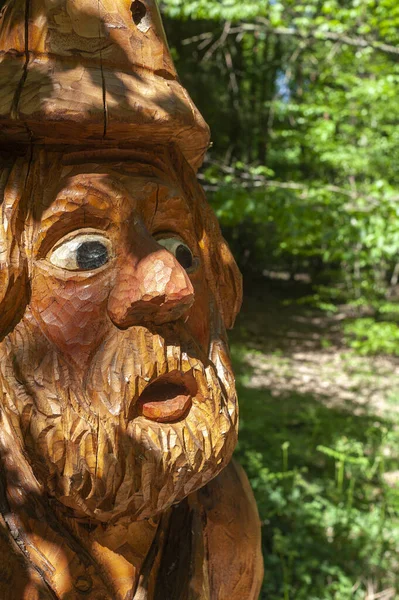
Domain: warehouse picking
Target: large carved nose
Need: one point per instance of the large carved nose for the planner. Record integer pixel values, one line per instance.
(154, 289)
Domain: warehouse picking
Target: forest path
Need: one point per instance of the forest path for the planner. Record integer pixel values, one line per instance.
(291, 347)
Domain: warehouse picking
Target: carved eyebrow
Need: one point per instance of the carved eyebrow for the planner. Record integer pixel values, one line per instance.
(66, 206)
(60, 223)
(81, 194)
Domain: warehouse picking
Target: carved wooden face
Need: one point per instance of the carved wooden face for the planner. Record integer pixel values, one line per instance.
(117, 379)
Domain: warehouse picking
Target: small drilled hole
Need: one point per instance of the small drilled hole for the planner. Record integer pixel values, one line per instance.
(138, 11)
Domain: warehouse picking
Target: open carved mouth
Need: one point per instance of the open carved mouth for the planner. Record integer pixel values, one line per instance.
(168, 398)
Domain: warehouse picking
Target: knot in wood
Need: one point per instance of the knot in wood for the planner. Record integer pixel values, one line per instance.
(138, 11)
(83, 583)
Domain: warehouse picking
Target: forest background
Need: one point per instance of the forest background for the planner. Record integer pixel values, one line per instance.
(301, 97)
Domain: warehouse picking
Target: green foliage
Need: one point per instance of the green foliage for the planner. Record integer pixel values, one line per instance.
(330, 521)
(368, 336)
(302, 102)
(220, 10)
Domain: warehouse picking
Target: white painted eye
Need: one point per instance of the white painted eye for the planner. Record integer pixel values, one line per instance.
(84, 252)
(181, 252)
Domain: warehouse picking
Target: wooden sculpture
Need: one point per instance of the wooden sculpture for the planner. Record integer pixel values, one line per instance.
(118, 409)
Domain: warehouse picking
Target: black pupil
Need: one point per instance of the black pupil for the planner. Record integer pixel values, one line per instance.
(91, 255)
(184, 256)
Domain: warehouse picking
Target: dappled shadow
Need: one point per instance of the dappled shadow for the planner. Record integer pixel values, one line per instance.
(290, 347)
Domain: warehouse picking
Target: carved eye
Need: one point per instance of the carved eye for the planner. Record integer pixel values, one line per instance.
(84, 252)
(181, 251)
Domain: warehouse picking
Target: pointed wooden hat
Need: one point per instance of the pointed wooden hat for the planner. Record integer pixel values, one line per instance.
(92, 73)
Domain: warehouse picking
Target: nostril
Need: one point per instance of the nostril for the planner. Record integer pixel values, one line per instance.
(156, 310)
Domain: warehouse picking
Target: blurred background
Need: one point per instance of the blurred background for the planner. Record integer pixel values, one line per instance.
(301, 97)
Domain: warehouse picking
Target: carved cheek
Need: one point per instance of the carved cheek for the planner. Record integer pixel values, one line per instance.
(72, 312)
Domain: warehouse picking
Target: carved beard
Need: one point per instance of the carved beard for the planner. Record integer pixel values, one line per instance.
(83, 444)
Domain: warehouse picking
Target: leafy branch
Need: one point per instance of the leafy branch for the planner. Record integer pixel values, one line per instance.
(248, 179)
(262, 25)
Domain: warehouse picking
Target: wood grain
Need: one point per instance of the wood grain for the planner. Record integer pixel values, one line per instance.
(77, 70)
(118, 407)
